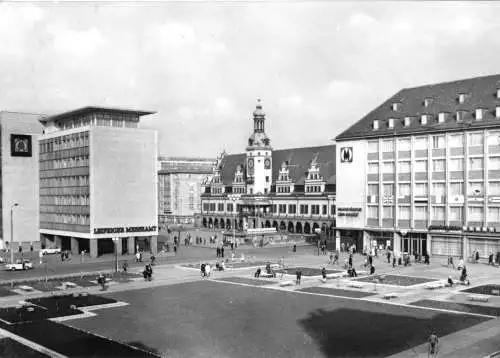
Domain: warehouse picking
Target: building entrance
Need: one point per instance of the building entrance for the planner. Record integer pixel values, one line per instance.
(414, 242)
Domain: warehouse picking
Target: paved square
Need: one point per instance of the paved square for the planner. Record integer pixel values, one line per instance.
(218, 319)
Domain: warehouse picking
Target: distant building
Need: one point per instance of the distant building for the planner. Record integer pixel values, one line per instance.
(179, 188)
(292, 190)
(98, 181)
(421, 172)
(19, 200)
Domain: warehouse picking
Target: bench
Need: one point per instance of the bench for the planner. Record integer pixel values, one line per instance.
(336, 275)
(286, 283)
(70, 284)
(478, 298)
(436, 285)
(26, 288)
(265, 274)
(355, 285)
(388, 296)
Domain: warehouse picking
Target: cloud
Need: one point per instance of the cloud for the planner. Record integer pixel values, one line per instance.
(76, 43)
(16, 26)
(360, 20)
(290, 102)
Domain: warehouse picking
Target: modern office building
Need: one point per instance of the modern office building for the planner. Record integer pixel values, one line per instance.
(179, 188)
(292, 190)
(421, 172)
(98, 181)
(19, 180)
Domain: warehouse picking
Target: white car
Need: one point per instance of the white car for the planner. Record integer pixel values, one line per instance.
(19, 266)
(51, 251)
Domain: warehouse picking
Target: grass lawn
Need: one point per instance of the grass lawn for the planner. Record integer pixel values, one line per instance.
(397, 280)
(216, 319)
(493, 290)
(306, 271)
(337, 292)
(462, 307)
(250, 281)
(232, 265)
(12, 349)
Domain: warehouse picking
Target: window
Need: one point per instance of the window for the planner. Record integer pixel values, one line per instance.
(372, 212)
(438, 189)
(476, 188)
(438, 165)
(476, 213)
(220, 207)
(456, 165)
(388, 167)
(388, 212)
(391, 122)
(456, 141)
(494, 215)
(479, 114)
(373, 146)
(494, 163)
(420, 212)
(267, 179)
(442, 117)
(421, 143)
(404, 213)
(388, 189)
(324, 210)
(475, 139)
(229, 207)
(423, 119)
(437, 141)
(438, 213)
(494, 188)
(282, 208)
(494, 138)
(404, 167)
(461, 98)
(373, 168)
(421, 189)
(456, 213)
(388, 146)
(403, 144)
(292, 209)
(476, 163)
(373, 189)
(375, 124)
(421, 166)
(456, 189)
(404, 189)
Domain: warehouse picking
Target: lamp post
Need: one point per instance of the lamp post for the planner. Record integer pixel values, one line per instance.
(234, 198)
(12, 232)
(115, 241)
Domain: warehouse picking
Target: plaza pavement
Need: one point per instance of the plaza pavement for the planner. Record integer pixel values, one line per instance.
(476, 341)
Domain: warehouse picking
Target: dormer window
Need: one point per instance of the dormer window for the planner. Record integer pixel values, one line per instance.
(479, 114)
(375, 124)
(461, 97)
(442, 117)
(407, 121)
(460, 116)
(396, 106)
(391, 122)
(423, 119)
(497, 112)
(498, 93)
(428, 101)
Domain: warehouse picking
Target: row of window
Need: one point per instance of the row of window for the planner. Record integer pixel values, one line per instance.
(69, 141)
(313, 189)
(455, 213)
(65, 219)
(438, 165)
(283, 189)
(316, 209)
(80, 180)
(436, 142)
(73, 162)
(238, 190)
(437, 189)
(65, 200)
(102, 120)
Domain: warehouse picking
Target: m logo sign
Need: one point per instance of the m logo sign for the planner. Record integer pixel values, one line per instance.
(346, 155)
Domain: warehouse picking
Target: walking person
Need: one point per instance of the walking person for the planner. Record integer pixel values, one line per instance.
(298, 275)
(222, 252)
(294, 250)
(477, 256)
(433, 345)
(388, 257)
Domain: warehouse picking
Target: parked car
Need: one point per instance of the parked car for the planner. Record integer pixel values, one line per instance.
(47, 251)
(19, 265)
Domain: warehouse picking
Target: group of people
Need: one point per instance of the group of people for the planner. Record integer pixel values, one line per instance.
(148, 272)
(220, 251)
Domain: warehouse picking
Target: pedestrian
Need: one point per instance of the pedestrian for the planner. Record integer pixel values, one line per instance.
(222, 251)
(217, 251)
(336, 257)
(40, 256)
(370, 260)
(426, 259)
(323, 273)
(433, 345)
(394, 261)
(294, 250)
(490, 259)
(125, 266)
(207, 269)
(350, 260)
(62, 256)
(388, 257)
(232, 246)
(298, 274)
(477, 256)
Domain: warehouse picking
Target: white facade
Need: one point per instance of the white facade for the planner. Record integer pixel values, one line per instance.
(19, 175)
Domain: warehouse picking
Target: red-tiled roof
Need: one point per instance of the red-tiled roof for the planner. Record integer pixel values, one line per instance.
(481, 92)
(299, 161)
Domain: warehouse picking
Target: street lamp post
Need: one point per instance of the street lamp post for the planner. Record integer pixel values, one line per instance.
(234, 198)
(12, 232)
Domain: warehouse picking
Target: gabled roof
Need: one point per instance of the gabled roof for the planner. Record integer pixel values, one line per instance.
(299, 161)
(90, 109)
(480, 92)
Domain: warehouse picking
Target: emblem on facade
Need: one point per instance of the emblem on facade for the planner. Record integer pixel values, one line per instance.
(346, 155)
(20, 145)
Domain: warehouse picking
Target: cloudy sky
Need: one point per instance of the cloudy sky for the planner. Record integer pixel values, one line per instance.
(318, 66)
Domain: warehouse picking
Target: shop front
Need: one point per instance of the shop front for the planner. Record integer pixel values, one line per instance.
(383, 240)
(414, 242)
(485, 245)
(447, 245)
(349, 238)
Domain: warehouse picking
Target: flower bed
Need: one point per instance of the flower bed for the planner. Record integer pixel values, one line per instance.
(395, 280)
(306, 271)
